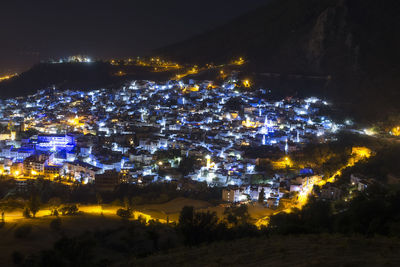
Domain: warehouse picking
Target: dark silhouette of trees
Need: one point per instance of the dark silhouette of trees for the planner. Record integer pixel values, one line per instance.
(187, 165)
(26, 213)
(99, 198)
(374, 211)
(69, 210)
(197, 227)
(34, 204)
(237, 215)
(124, 213)
(261, 196)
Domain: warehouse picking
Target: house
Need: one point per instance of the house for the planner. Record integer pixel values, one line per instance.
(17, 169)
(272, 202)
(243, 193)
(359, 181)
(233, 195)
(142, 157)
(331, 192)
(79, 171)
(34, 165)
(52, 171)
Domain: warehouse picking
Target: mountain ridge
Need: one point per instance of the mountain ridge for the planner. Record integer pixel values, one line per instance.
(76, 76)
(354, 42)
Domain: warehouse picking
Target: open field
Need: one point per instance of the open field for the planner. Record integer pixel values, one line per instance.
(171, 208)
(174, 207)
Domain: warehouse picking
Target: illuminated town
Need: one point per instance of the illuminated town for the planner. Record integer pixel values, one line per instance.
(75, 137)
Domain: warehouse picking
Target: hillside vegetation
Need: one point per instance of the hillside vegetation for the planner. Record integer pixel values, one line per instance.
(310, 250)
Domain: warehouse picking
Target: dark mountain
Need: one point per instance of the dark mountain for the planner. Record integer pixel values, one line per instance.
(73, 76)
(76, 76)
(354, 44)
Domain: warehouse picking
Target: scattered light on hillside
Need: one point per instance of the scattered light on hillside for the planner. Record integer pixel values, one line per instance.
(8, 77)
(396, 131)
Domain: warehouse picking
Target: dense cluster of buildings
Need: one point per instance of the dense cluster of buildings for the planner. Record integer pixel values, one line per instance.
(72, 59)
(145, 130)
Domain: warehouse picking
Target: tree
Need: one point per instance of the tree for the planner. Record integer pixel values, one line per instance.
(316, 190)
(69, 210)
(187, 165)
(197, 227)
(186, 216)
(127, 203)
(34, 204)
(99, 199)
(261, 196)
(54, 202)
(124, 213)
(26, 213)
(237, 215)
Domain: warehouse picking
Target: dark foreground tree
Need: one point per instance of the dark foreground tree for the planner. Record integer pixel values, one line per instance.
(237, 215)
(197, 227)
(34, 204)
(261, 196)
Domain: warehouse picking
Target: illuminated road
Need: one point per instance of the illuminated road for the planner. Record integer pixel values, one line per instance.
(358, 153)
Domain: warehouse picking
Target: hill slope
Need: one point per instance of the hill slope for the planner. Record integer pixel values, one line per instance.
(354, 42)
(76, 76)
(311, 250)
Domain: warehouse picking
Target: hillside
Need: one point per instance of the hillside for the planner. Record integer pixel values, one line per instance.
(75, 76)
(353, 43)
(311, 250)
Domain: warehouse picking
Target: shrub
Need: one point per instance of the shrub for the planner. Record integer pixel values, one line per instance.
(26, 213)
(69, 210)
(124, 213)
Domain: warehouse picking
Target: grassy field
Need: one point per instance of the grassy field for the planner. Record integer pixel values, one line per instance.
(171, 208)
(92, 218)
(310, 250)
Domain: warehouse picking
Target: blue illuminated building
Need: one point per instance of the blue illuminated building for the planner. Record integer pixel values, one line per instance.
(306, 171)
(55, 143)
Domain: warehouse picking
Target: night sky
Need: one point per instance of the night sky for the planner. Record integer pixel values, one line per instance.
(34, 30)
